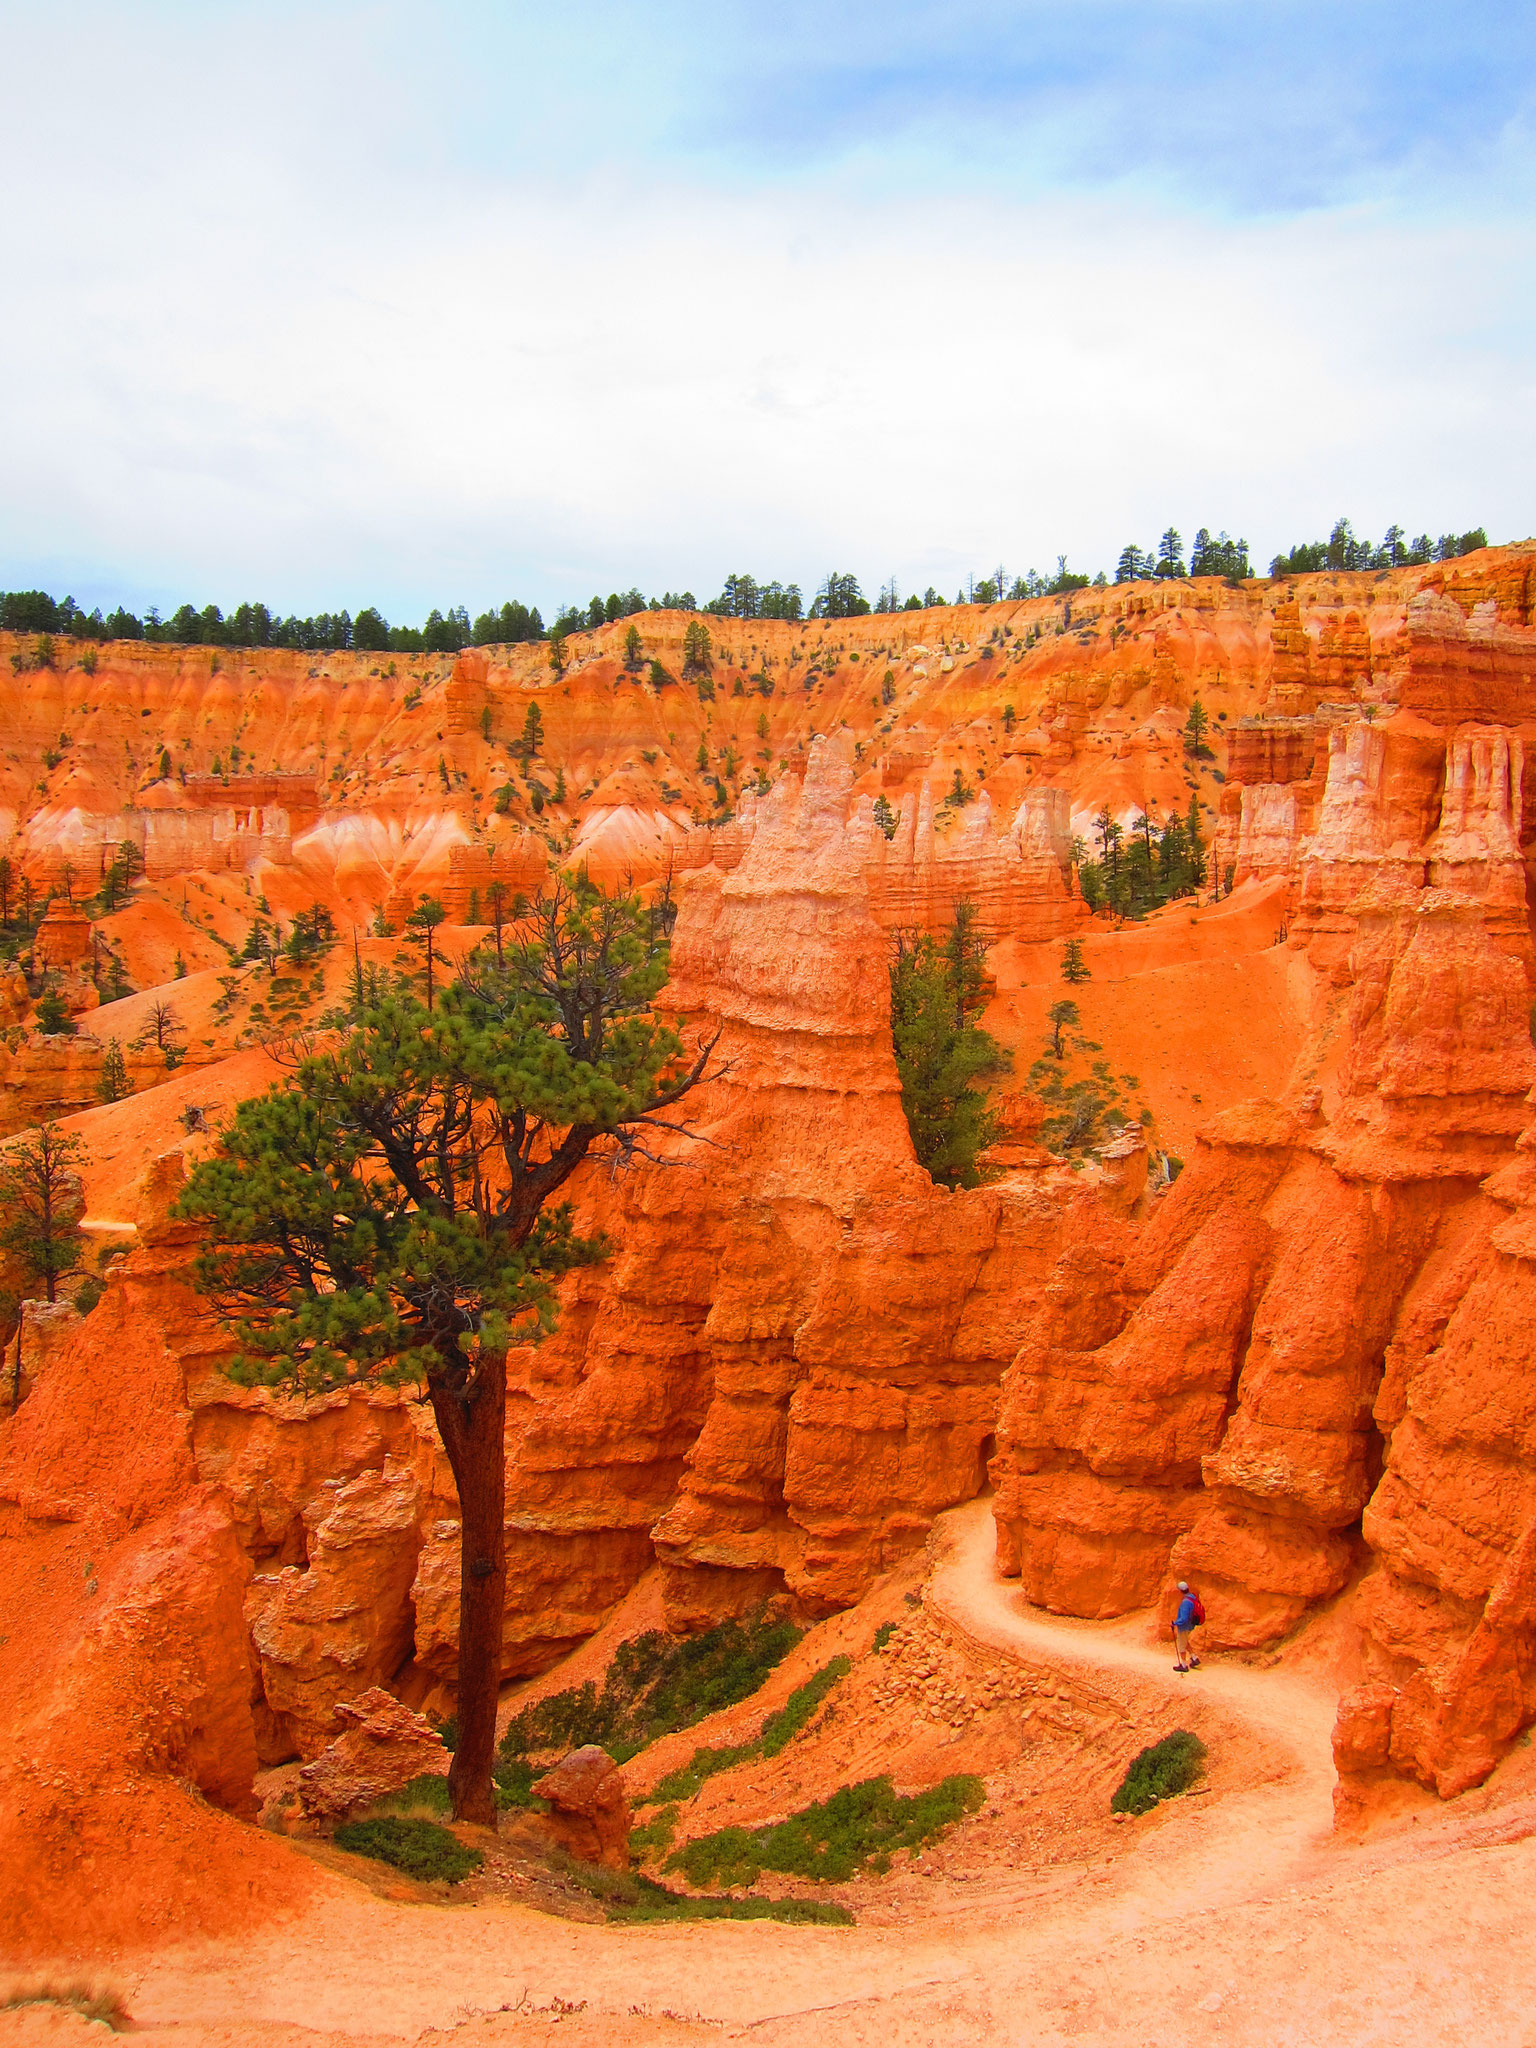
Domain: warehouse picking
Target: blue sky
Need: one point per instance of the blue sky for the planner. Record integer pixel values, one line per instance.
(411, 305)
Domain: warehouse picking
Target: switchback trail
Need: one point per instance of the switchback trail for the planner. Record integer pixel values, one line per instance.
(1235, 1919)
(1295, 1716)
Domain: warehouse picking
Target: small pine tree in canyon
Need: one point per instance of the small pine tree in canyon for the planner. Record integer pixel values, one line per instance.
(384, 1215)
(938, 987)
(41, 1203)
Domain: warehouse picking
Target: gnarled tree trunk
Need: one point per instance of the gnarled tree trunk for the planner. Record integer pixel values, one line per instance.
(471, 1420)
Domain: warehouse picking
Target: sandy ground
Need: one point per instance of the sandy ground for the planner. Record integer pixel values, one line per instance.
(1239, 1919)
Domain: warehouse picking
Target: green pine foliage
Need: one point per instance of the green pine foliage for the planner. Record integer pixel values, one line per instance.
(654, 1687)
(356, 1239)
(937, 986)
(112, 1083)
(777, 1732)
(42, 1200)
(696, 649)
(859, 1827)
(1162, 1771)
(1343, 549)
(420, 1848)
(53, 1019)
(1156, 864)
(1085, 1098)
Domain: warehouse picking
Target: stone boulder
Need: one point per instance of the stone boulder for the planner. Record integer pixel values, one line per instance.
(383, 1746)
(588, 1809)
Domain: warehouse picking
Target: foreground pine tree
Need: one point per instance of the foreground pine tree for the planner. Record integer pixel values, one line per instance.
(385, 1214)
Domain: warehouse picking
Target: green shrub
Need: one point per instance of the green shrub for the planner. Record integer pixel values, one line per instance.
(884, 1633)
(514, 1777)
(654, 1836)
(89, 1293)
(631, 1900)
(418, 1847)
(654, 1687)
(777, 1730)
(91, 2002)
(1166, 1769)
(428, 1792)
(832, 1840)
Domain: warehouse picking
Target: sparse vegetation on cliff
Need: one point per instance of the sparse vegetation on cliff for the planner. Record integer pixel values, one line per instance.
(859, 1827)
(937, 987)
(1086, 1105)
(777, 1732)
(655, 1686)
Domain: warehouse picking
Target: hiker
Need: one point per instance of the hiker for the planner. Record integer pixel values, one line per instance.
(1191, 1615)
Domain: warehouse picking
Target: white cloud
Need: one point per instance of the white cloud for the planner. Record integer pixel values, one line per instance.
(285, 357)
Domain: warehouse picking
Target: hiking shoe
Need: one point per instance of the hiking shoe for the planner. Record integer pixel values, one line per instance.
(1194, 1664)
(1181, 1669)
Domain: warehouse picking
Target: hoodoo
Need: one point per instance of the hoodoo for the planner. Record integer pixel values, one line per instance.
(1236, 1293)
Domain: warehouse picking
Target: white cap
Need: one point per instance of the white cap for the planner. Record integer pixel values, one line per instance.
(1183, 1585)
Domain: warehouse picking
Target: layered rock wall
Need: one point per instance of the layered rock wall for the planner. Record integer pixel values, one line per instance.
(1311, 1363)
(788, 1367)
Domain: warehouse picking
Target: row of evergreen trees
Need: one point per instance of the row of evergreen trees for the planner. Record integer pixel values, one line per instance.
(1157, 862)
(1222, 556)
(743, 597)
(254, 625)
(1343, 550)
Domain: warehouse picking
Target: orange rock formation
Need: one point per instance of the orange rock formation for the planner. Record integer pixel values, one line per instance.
(1289, 1375)
(1298, 1373)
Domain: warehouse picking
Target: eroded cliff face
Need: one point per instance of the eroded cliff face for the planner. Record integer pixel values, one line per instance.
(1302, 1370)
(1311, 1364)
(362, 779)
(829, 1327)
(788, 1367)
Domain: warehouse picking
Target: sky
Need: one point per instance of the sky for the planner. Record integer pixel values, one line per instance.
(415, 305)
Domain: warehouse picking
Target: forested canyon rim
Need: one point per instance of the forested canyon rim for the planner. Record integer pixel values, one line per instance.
(1299, 1374)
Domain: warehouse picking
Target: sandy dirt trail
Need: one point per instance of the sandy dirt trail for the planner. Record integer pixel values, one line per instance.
(1237, 1919)
(1270, 1834)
